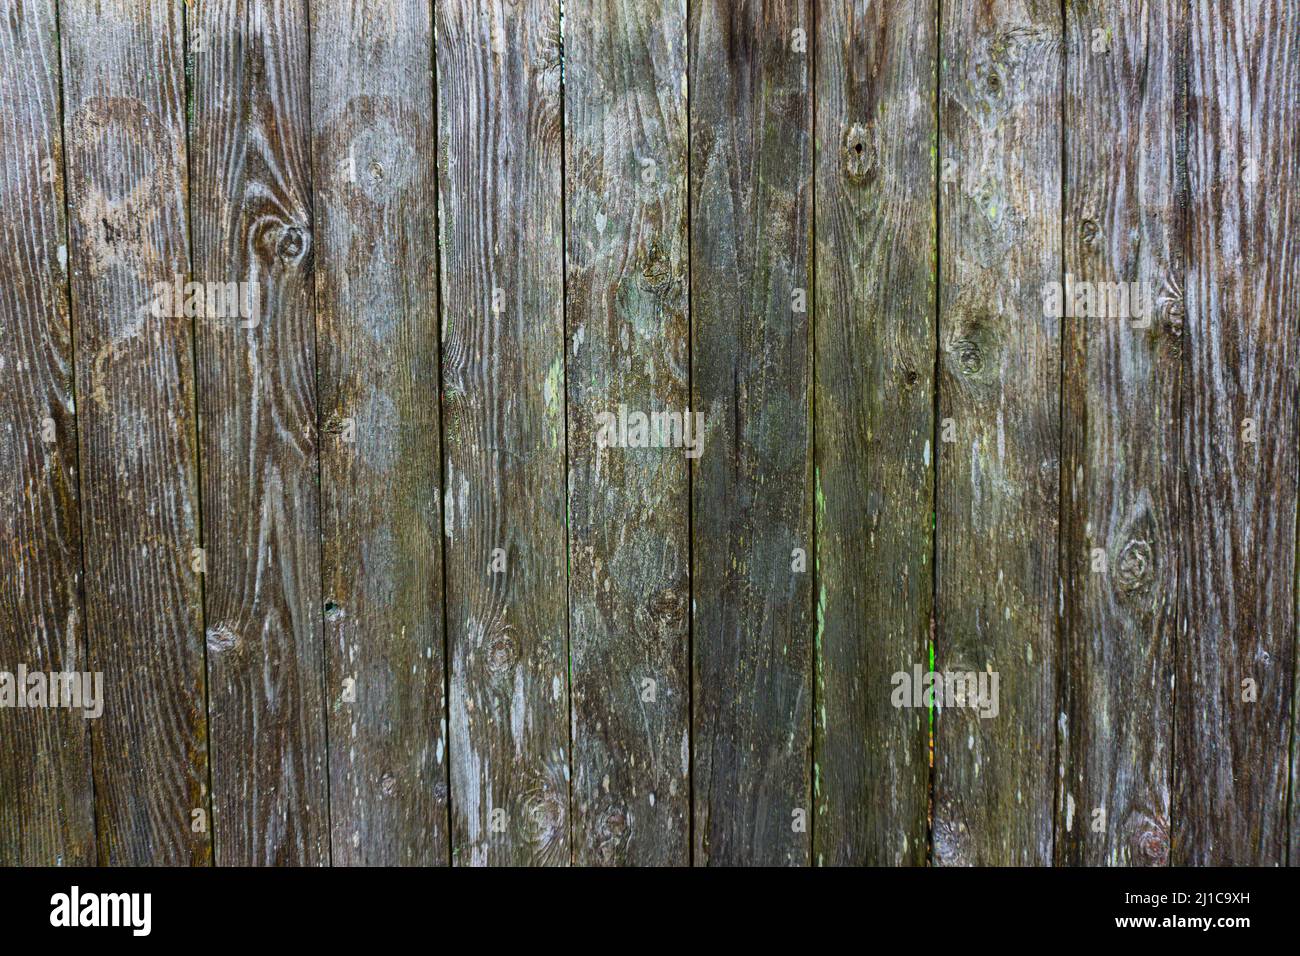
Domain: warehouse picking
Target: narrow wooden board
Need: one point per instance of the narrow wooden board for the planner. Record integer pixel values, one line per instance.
(627, 350)
(501, 228)
(751, 79)
(250, 199)
(999, 400)
(1122, 224)
(1239, 519)
(377, 349)
(876, 285)
(46, 800)
(124, 97)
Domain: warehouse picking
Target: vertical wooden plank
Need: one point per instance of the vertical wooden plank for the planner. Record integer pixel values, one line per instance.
(627, 337)
(46, 801)
(751, 176)
(1122, 224)
(124, 95)
(501, 221)
(1238, 436)
(256, 368)
(376, 302)
(874, 403)
(999, 400)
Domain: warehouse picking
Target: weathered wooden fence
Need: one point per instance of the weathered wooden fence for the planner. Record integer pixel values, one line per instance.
(379, 566)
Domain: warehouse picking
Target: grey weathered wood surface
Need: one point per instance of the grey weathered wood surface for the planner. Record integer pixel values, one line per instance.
(627, 346)
(1122, 222)
(250, 198)
(125, 132)
(999, 383)
(876, 283)
(1237, 600)
(46, 803)
(475, 226)
(751, 232)
(500, 143)
(375, 189)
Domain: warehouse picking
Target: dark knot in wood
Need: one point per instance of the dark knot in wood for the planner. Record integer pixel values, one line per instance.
(857, 155)
(292, 245)
(1153, 843)
(222, 638)
(544, 817)
(1136, 566)
(970, 358)
(501, 653)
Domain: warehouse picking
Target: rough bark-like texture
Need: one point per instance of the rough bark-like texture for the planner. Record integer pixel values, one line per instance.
(46, 808)
(501, 209)
(374, 179)
(999, 385)
(874, 402)
(256, 376)
(751, 204)
(1237, 629)
(627, 348)
(124, 96)
(1119, 560)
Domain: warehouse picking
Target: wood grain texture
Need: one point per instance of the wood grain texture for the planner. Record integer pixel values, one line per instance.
(376, 301)
(751, 206)
(874, 403)
(999, 383)
(256, 377)
(1122, 224)
(1238, 530)
(124, 96)
(627, 347)
(367, 540)
(501, 221)
(46, 801)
